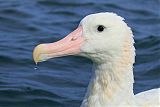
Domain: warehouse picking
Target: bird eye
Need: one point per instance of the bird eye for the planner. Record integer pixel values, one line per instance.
(100, 28)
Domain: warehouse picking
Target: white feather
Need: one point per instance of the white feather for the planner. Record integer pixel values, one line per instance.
(113, 54)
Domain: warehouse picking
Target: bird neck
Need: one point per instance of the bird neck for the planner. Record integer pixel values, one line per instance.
(112, 81)
(110, 86)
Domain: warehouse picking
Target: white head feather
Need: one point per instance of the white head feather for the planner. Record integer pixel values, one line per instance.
(113, 53)
(108, 43)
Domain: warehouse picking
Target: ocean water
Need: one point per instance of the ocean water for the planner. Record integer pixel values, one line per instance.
(62, 82)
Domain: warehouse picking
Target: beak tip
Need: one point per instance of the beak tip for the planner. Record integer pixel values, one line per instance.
(38, 50)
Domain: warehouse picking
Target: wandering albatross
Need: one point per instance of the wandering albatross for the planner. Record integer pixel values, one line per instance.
(108, 41)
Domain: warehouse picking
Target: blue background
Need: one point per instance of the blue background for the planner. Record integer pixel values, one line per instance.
(62, 82)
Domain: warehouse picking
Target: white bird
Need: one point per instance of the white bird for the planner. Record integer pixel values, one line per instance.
(108, 41)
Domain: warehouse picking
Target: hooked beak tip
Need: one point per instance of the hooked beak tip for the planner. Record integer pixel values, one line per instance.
(38, 53)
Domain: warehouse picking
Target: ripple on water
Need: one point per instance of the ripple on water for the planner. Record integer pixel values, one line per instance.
(62, 82)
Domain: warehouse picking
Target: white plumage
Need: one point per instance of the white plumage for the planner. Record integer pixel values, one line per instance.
(113, 54)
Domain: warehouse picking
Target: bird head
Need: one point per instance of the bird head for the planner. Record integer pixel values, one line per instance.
(99, 37)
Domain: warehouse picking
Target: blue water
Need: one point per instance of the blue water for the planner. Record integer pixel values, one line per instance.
(62, 82)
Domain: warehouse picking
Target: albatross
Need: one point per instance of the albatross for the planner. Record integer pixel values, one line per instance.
(108, 41)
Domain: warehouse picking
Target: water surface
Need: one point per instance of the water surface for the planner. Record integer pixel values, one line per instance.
(62, 82)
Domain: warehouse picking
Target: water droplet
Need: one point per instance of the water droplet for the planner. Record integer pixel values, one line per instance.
(36, 67)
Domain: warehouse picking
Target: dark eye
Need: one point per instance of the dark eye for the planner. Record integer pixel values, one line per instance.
(100, 28)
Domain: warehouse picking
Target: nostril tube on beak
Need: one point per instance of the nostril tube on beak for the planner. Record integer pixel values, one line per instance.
(74, 38)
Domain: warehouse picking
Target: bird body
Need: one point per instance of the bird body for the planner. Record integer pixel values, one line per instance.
(108, 41)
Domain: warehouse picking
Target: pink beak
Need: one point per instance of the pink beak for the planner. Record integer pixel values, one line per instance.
(70, 45)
